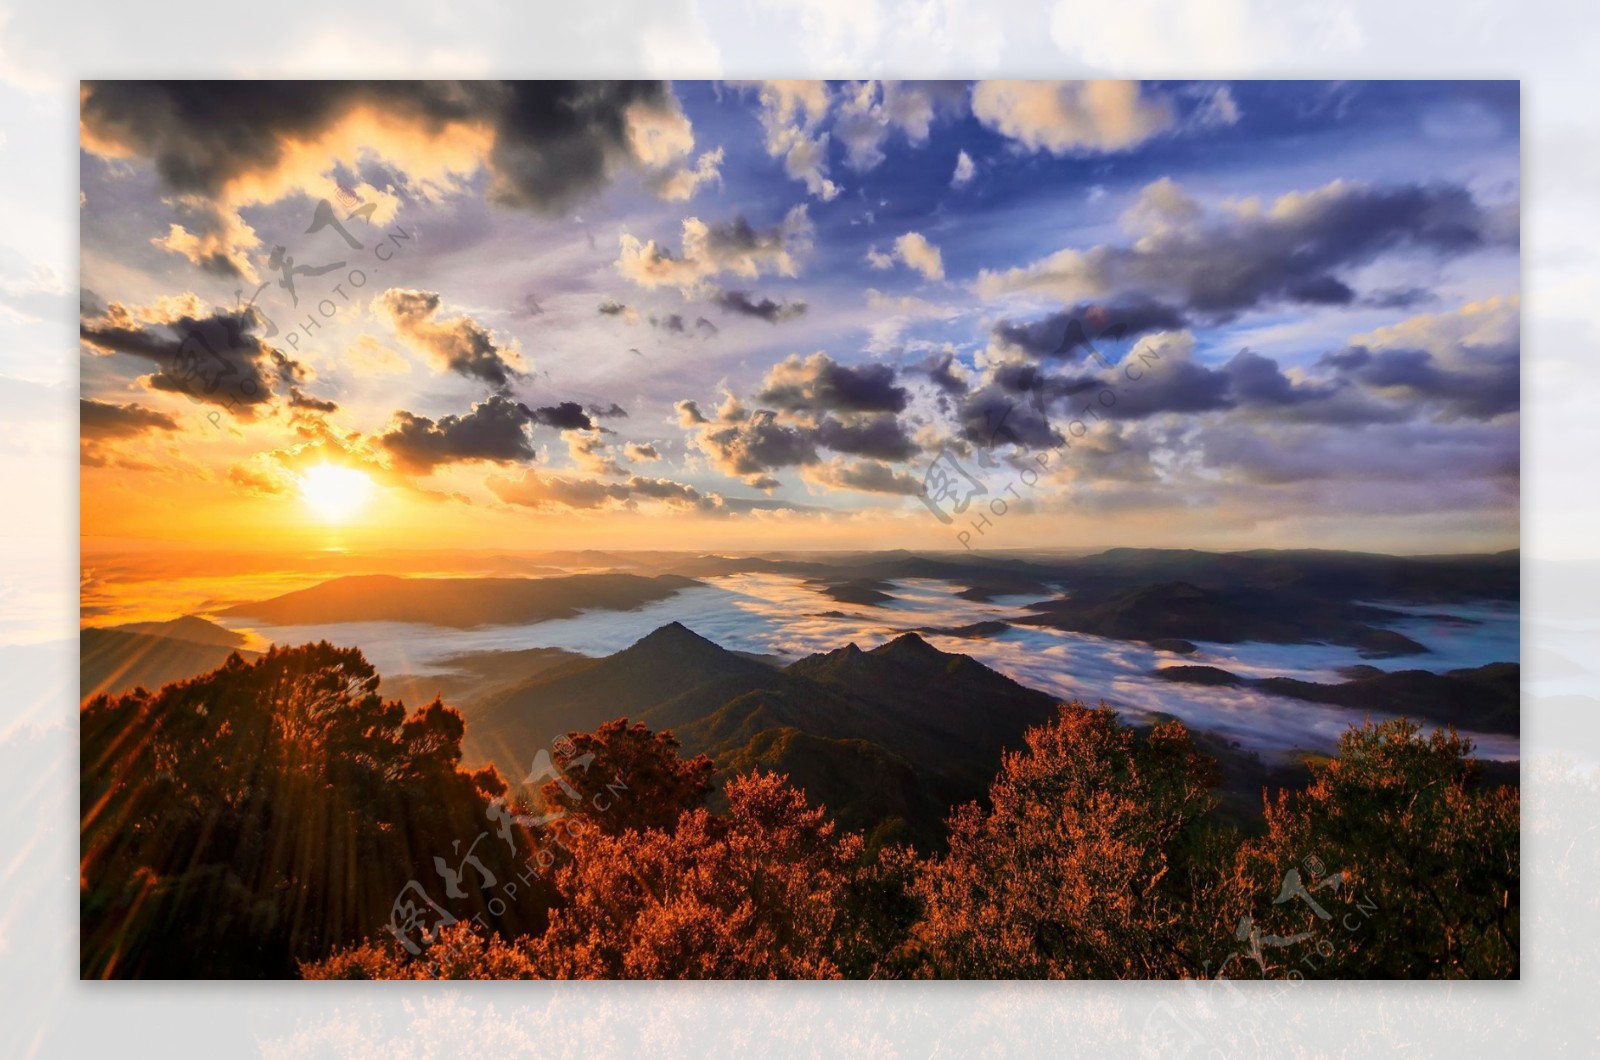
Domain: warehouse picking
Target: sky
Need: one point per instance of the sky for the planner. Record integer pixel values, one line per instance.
(800, 315)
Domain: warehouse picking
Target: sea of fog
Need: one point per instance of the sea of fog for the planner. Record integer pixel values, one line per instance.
(789, 617)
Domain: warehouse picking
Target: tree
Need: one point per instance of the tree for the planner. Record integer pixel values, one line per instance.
(1397, 862)
(462, 951)
(770, 890)
(620, 777)
(1089, 862)
(262, 814)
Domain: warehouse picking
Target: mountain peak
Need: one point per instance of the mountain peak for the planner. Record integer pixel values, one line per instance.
(671, 633)
(908, 644)
(678, 645)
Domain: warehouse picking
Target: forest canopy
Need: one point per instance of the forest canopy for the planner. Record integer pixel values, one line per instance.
(280, 818)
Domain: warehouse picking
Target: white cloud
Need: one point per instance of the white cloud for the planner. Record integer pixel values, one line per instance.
(1216, 108)
(218, 241)
(1065, 116)
(790, 113)
(709, 250)
(914, 250)
(662, 140)
(870, 110)
(965, 171)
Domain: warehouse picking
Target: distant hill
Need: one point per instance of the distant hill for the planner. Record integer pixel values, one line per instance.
(970, 631)
(863, 591)
(948, 714)
(1318, 573)
(1485, 699)
(471, 678)
(1321, 573)
(673, 673)
(189, 627)
(898, 733)
(1180, 610)
(460, 602)
(115, 660)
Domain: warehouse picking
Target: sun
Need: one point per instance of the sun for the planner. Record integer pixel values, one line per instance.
(336, 494)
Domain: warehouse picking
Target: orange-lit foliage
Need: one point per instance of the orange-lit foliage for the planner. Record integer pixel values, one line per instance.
(463, 951)
(262, 814)
(635, 779)
(768, 891)
(1083, 867)
(259, 821)
(1428, 857)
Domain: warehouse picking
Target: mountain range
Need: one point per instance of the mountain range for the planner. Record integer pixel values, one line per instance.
(1481, 699)
(1182, 611)
(117, 659)
(895, 734)
(461, 603)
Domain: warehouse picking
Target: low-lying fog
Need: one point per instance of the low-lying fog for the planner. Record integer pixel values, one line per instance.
(789, 617)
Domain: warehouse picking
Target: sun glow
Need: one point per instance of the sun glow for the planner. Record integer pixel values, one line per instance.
(336, 494)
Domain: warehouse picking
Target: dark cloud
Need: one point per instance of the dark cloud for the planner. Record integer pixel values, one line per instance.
(672, 322)
(1247, 382)
(1177, 386)
(742, 303)
(557, 140)
(495, 431)
(214, 359)
(820, 384)
(299, 399)
(553, 142)
(613, 308)
(818, 405)
(1234, 266)
(881, 436)
(1421, 455)
(758, 443)
(1399, 298)
(666, 490)
(456, 344)
(1319, 290)
(1217, 266)
(866, 476)
(739, 237)
(567, 416)
(1491, 389)
(1041, 388)
(990, 417)
(1257, 380)
(104, 421)
(1069, 333)
(534, 490)
(702, 324)
(608, 412)
(940, 368)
